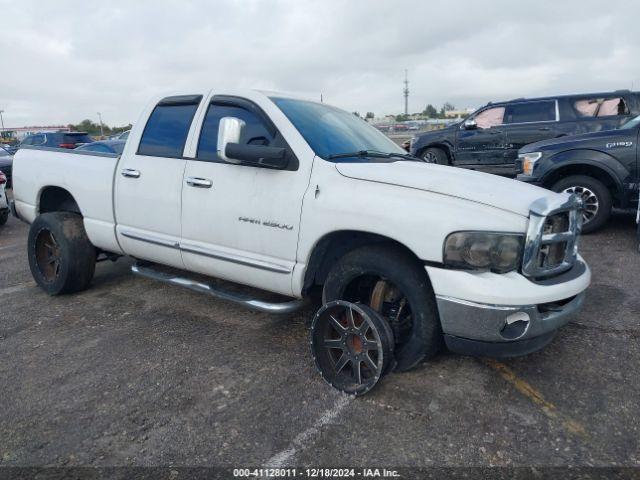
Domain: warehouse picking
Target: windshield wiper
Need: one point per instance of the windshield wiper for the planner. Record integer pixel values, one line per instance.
(374, 154)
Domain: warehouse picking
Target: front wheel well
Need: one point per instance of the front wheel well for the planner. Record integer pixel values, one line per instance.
(57, 199)
(333, 246)
(441, 146)
(590, 170)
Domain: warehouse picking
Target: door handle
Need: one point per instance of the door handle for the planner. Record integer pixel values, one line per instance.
(544, 129)
(130, 173)
(199, 182)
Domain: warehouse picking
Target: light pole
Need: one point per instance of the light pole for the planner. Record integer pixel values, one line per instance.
(1, 119)
(101, 127)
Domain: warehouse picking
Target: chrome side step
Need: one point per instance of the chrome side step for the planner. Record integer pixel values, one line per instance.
(146, 271)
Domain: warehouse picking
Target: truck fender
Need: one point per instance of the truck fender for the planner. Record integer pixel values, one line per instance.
(443, 145)
(588, 162)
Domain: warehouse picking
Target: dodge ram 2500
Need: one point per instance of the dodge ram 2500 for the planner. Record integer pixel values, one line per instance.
(295, 197)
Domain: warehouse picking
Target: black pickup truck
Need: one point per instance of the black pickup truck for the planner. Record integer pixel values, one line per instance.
(489, 139)
(601, 167)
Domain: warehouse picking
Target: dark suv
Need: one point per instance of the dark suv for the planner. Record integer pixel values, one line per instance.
(601, 167)
(489, 139)
(56, 140)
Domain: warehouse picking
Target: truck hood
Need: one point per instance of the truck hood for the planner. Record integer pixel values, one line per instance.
(599, 140)
(492, 190)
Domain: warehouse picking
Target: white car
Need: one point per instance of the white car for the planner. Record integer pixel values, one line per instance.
(4, 206)
(293, 196)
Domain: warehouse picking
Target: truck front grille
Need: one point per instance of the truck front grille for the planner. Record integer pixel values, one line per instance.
(551, 247)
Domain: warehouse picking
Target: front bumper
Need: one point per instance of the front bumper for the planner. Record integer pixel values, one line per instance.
(502, 316)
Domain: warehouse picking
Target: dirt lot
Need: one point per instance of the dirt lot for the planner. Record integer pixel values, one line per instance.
(133, 372)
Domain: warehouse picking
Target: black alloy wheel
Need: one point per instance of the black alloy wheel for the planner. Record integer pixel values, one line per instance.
(352, 346)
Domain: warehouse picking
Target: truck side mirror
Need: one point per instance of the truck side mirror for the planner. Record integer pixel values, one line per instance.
(470, 124)
(229, 131)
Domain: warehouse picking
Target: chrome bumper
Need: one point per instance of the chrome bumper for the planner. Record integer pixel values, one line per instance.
(504, 324)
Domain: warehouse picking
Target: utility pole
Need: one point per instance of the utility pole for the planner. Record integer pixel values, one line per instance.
(101, 127)
(1, 119)
(406, 93)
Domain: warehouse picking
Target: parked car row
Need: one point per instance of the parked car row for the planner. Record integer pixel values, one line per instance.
(565, 143)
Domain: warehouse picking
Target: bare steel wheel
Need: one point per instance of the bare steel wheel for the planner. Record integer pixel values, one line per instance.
(590, 203)
(352, 346)
(47, 255)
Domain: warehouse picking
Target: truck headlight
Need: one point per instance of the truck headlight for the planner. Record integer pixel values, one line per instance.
(498, 252)
(528, 161)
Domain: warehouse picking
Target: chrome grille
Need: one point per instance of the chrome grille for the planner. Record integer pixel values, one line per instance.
(551, 244)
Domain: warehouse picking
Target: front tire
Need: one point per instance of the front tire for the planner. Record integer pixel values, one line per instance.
(4, 216)
(435, 155)
(61, 257)
(396, 285)
(596, 198)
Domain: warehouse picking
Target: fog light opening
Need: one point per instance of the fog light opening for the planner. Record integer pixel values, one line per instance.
(515, 325)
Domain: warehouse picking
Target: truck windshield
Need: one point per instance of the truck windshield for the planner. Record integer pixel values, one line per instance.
(331, 132)
(633, 123)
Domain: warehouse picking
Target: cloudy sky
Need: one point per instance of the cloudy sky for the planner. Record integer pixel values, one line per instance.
(63, 61)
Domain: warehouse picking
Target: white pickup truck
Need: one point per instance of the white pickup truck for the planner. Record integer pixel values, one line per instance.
(296, 197)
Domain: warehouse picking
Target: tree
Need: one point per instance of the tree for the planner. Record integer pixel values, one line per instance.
(369, 116)
(430, 111)
(402, 117)
(356, 114)
(93, 128)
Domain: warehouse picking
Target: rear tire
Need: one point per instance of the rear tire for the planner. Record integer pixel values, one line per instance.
(4, 216)
(435, 155)
(415, 322)
(61, 257)
(595, 195)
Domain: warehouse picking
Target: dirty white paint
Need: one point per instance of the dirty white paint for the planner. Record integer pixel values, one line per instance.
(306, 437)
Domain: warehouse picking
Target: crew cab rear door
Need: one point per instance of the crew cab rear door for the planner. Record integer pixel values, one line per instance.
(241, 222)
(529, 122)
(148, 182)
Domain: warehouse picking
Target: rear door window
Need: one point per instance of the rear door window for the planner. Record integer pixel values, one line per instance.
(600, 107)
(528, 112)
(168, 126)
(255, 131)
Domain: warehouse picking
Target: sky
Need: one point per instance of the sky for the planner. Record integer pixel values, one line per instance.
(64, 61)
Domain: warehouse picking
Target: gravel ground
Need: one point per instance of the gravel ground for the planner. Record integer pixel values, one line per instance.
(133, 372)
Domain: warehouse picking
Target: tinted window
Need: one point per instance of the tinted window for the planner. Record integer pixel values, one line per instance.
(76, 138)
(255, 132)
(37, 140)
(329, 130)
(166, 131)
(531, 112)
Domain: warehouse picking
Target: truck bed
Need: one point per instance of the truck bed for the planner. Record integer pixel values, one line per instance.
(87, 176)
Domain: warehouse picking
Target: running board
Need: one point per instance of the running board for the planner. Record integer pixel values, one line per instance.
(146, 271)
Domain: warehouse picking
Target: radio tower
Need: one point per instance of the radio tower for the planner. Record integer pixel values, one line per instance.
(406, 93)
